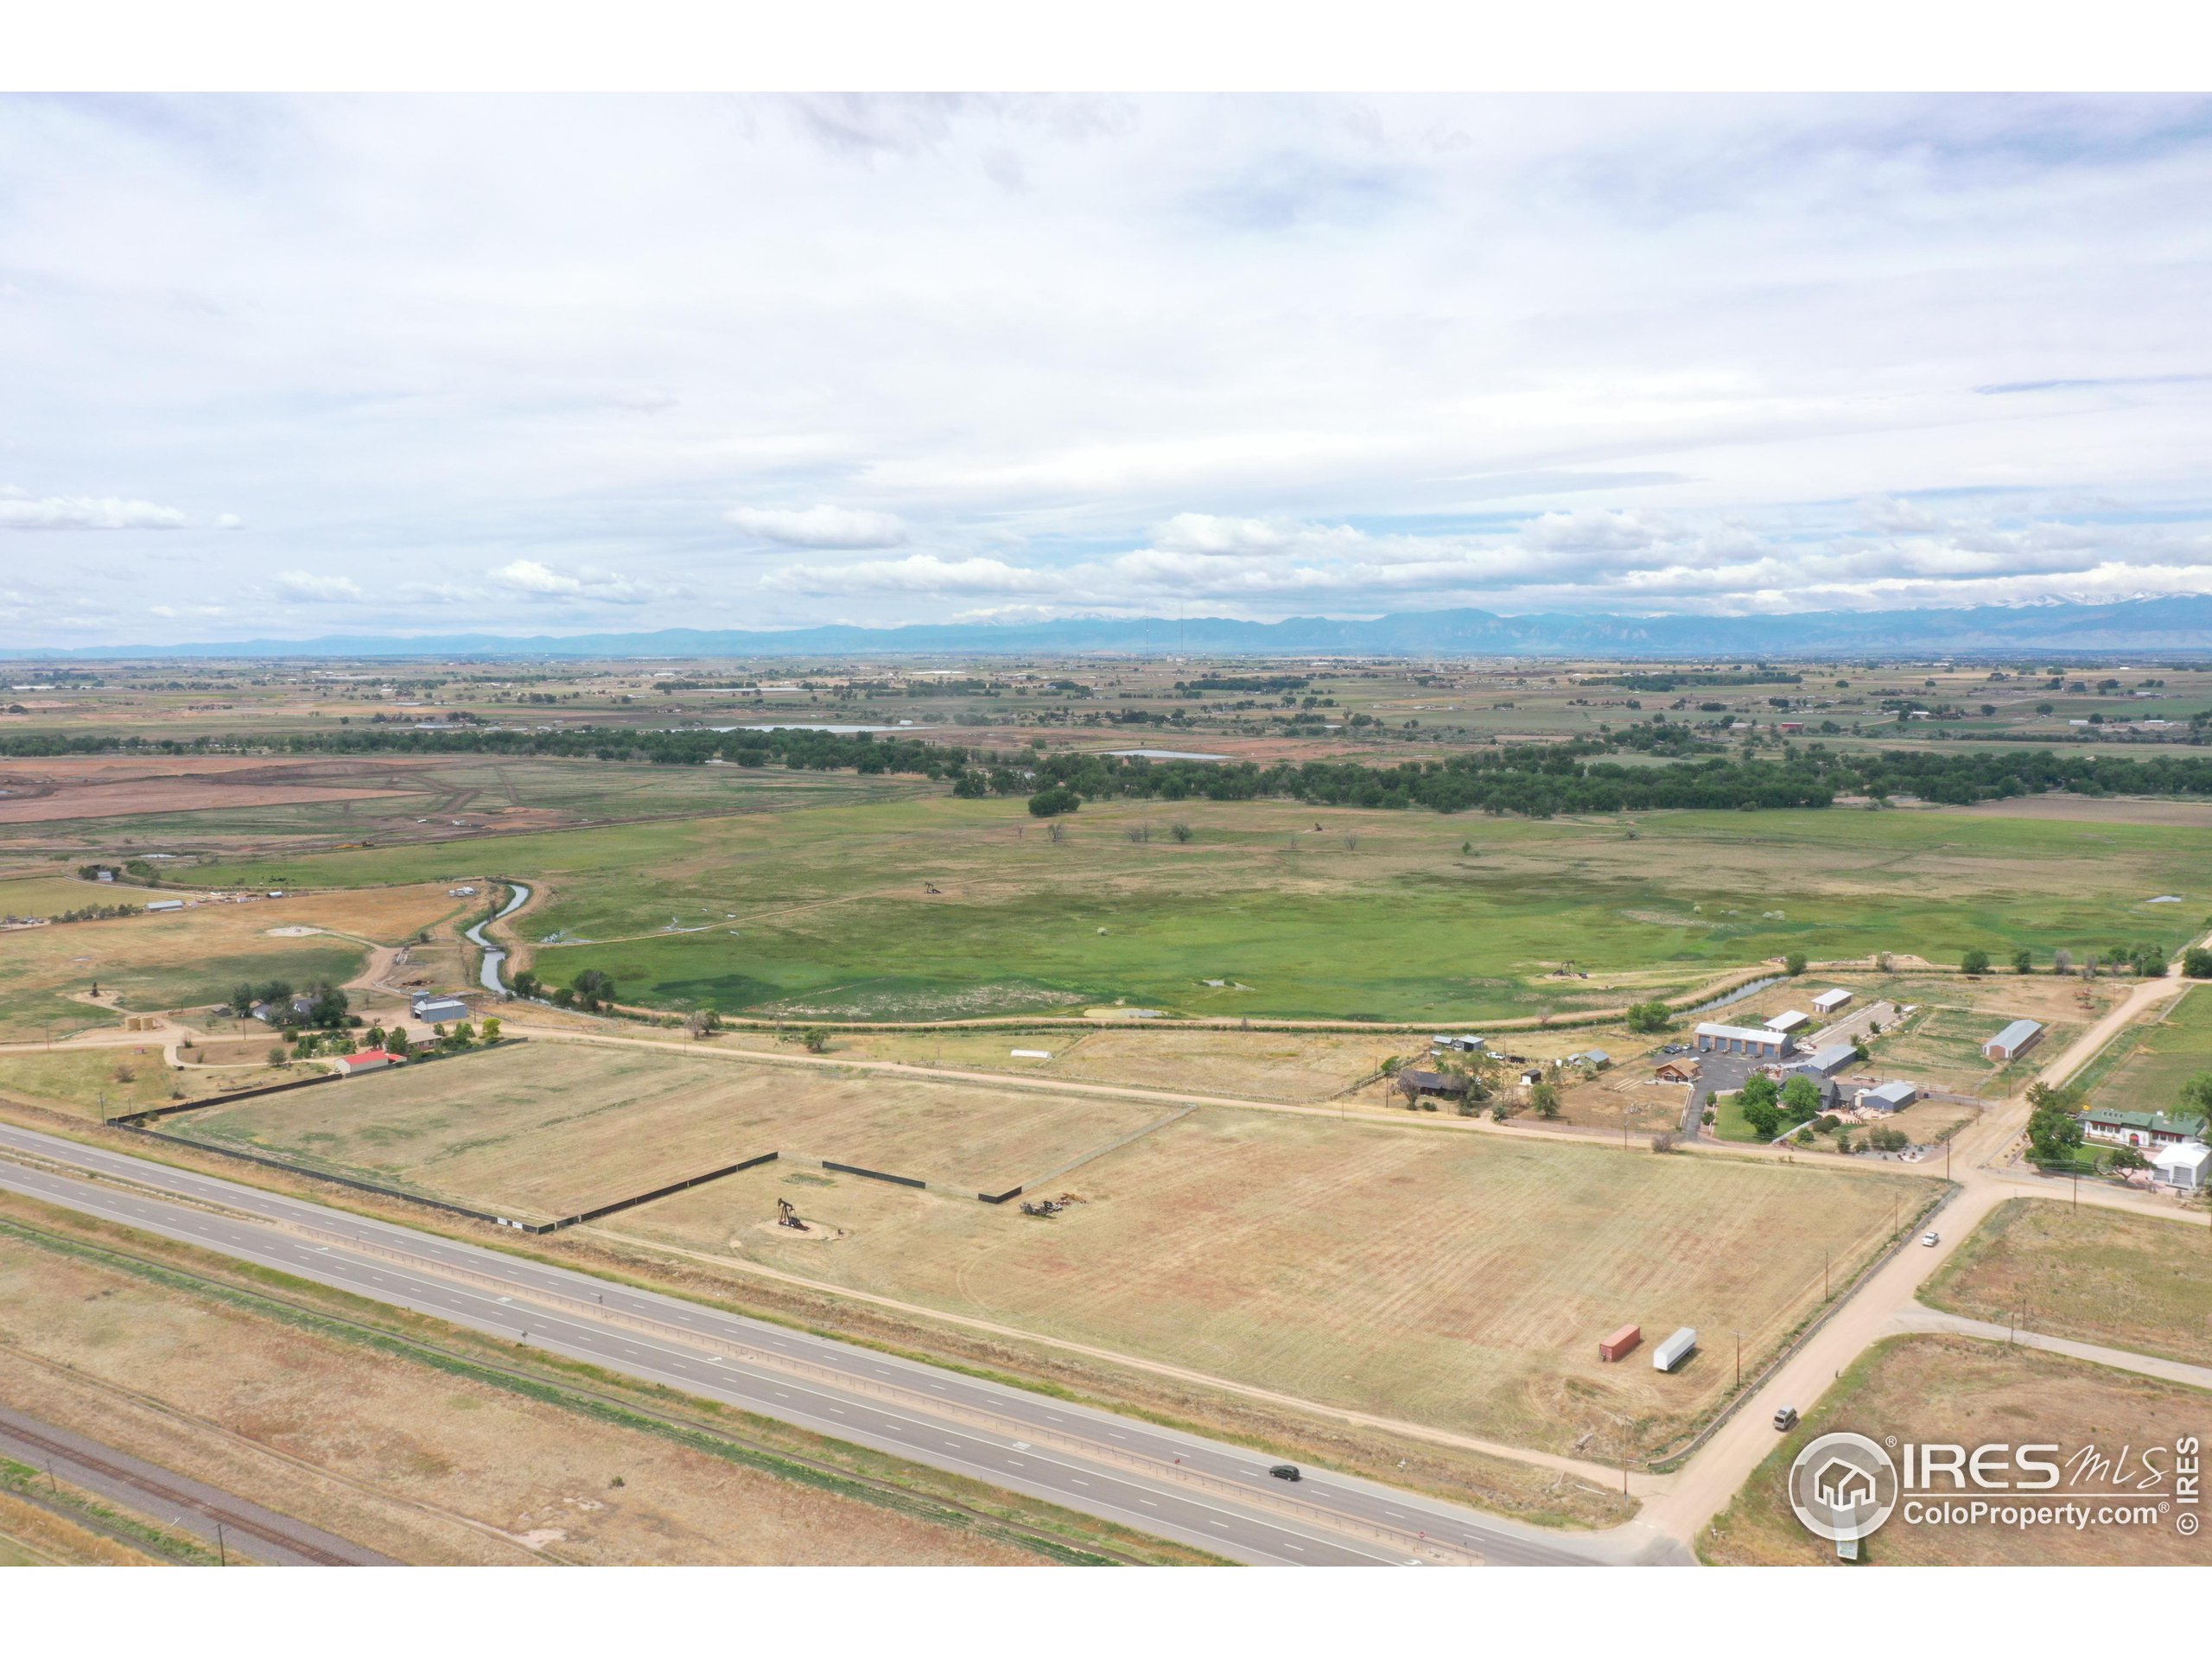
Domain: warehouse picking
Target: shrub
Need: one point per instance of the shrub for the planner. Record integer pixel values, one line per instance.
(1052, 803)
(1974, 963)
(2197, 963)
(1793, 964)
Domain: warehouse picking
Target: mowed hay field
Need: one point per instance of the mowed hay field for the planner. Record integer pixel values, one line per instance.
(425, 1467)
(188, 959)
(2097, 1275)
(1457, 1279)
(1271, 1065)
(544, 1129)
(1959, 1390)
(826, 912)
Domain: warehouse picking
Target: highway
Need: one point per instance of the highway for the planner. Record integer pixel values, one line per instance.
(1207, 1493)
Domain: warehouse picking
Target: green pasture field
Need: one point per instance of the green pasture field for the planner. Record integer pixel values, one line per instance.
(824, 913)
(2144, 1070)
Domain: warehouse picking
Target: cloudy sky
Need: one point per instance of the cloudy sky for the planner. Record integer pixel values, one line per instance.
(524, 364)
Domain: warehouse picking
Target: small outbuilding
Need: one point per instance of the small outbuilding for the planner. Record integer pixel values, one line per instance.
(1825, 1062)
(1828, 1001)
(1596, 1058)
(2186, 1168)
(440, 1009)
(1790, 1019)
(164, 904)
(1889, 1097)
(368, 1059)
(2013, 1041)
(1680, 1068)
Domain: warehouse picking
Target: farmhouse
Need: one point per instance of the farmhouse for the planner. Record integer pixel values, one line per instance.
(369, 1059)
(1827, 1061)
(1791, 1021)
(1681, 1069)
(1828, 1001)
(2121, 1129)
(2013, 1041)
(439, 1009)
(1890, 1097)
(2184, 1168)
(1413, 1084)
(1743, 1040)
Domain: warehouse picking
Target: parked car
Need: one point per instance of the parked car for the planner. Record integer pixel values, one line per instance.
(1785, 1420)
(1286, 1472)
(1931, 1240)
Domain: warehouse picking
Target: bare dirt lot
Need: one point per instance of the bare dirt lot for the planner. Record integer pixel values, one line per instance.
(546, 1129)
(1458, 1280)
(1959, 1389)
(422, 1466)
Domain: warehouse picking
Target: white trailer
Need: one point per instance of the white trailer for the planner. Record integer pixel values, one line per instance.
(1676, 1349)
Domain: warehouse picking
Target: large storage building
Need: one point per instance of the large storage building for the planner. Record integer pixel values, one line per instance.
(2013, 1041)
(1743, 1040)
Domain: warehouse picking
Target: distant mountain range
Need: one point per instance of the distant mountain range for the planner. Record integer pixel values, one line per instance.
(2161, 626)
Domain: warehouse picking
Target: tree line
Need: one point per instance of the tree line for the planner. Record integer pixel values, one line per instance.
(1533, 781)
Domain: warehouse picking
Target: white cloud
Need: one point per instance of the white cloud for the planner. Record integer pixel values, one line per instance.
(823, 527)
(586, 583)
(921, 573)
(229, 521)
(311, 589)
(1255, 354)
(21, 511)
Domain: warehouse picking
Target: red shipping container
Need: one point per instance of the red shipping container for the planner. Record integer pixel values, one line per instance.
(1620, 1342)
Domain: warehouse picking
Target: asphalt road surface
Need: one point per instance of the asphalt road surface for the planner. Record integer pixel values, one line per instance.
(238, 1526)
(1170, 1485)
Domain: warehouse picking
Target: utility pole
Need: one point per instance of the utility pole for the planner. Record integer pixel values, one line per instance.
(1739, 1356)
(222, 1554)
(1824, 1275)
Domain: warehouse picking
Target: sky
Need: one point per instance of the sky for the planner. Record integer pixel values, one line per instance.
(282, 367)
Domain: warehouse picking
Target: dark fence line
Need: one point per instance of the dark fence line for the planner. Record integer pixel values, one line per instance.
(128, 1119)
(874, 1175)
(358, 1186)
(663, 1192)
(1001, 1198)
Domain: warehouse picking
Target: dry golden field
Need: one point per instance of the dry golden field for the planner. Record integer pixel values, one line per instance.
(544, 1129)
(425, 1467)
(1964, 1390)
(91, 1082)
(1458, 1279)
(2095, 1274)
(1272, 1065)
